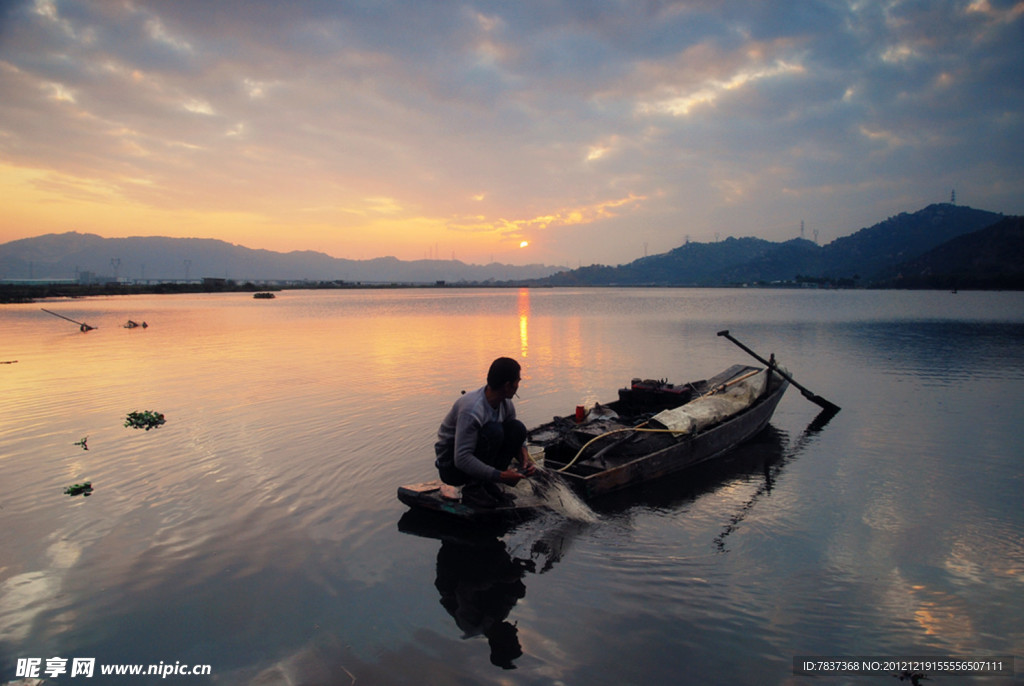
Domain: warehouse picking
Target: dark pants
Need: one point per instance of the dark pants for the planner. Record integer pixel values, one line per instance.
(496, 446)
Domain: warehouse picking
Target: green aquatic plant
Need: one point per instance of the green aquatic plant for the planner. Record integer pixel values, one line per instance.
(79, 489)
(147, 419)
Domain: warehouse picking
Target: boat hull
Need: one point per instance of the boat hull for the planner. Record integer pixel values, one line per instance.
(702, 447)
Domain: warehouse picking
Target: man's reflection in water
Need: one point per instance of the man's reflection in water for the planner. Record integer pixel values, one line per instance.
(481, 571)
(480, 583)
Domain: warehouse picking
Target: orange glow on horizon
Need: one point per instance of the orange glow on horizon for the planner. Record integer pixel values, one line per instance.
(43, 201)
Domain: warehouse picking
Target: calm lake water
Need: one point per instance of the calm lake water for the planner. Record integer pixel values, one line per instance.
(258, 532)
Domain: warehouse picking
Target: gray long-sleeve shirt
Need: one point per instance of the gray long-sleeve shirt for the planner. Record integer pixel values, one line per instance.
(457, 436)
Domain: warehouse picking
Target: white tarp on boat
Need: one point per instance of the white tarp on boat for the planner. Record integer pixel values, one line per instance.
(711, 409)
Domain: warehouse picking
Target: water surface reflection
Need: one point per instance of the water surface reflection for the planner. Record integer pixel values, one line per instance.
(256, 530)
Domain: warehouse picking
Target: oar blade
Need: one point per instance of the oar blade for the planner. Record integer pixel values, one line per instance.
(821, 402)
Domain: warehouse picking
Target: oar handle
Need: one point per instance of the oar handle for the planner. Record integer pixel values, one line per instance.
(753, 354)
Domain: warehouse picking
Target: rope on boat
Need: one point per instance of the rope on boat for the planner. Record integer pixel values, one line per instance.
(640, 427)
(586, 445)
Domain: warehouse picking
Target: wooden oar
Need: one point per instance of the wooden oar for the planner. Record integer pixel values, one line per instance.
(816, 399)
(732, 382)
(81, 325)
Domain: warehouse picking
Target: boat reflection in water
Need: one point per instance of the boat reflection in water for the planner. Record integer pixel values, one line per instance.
(763, 458)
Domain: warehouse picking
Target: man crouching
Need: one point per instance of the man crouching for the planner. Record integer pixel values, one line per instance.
(479, 438)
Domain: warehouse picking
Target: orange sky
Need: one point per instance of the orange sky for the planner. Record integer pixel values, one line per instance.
(595, 137)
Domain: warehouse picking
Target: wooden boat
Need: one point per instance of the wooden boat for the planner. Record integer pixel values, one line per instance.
(625, 442)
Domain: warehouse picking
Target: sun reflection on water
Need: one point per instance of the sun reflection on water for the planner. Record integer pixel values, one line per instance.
(523, 306)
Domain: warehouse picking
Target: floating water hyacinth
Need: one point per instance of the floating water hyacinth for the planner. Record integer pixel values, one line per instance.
(147, 419)
(80, 489)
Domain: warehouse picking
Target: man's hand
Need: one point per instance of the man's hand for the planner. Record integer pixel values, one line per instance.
(529, 468)
(510, 477)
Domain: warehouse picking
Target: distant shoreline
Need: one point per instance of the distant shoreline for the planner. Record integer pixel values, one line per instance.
(13, 293)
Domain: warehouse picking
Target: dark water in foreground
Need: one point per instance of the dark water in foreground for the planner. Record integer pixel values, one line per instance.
(257, 531)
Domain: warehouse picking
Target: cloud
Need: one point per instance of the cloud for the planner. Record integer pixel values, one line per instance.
(714, 117)
(712, 90)
(517, 228)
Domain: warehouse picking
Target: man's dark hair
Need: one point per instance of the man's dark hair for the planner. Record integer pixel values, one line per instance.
(503, 370)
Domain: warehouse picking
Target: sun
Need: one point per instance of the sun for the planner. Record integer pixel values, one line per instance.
(523, 244)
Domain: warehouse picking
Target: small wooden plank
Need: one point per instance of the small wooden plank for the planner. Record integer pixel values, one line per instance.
(427, 496)
(425, 487)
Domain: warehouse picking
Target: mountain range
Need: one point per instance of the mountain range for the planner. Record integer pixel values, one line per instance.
(906, 250)
(91, 258)
(941, 246)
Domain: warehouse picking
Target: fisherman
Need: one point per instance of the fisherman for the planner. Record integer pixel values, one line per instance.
(480, 437)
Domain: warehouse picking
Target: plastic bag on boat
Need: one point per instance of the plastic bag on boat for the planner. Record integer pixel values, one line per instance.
(708, 410)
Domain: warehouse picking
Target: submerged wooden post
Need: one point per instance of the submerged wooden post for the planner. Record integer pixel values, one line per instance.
(81, 325)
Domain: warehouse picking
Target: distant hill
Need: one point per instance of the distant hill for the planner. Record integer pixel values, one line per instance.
(992, 258)
(869, 256)
(871, 253)
(70, 255)
(693, 264)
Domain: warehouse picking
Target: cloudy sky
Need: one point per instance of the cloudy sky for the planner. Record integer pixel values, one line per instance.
(593, 130)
